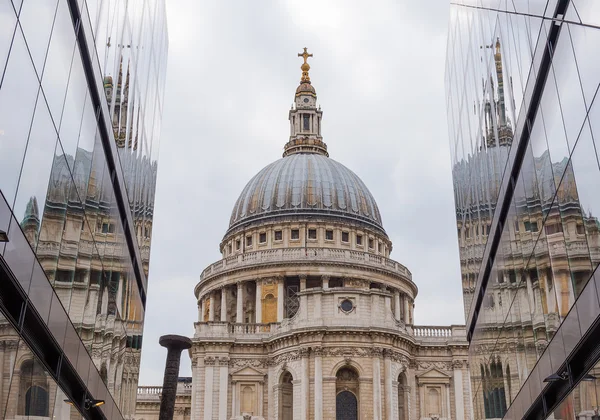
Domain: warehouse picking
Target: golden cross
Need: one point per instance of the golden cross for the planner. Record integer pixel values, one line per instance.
(305, 55)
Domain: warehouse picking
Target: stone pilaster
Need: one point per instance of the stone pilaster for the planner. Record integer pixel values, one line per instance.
(377, 412)
(389, 395)
(305, 402)
(459, 399)
(223, 385)
(318, 352)
(209, 366)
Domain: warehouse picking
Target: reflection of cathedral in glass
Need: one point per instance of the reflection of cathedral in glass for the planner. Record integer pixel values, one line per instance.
(77, 182)
(528, 238)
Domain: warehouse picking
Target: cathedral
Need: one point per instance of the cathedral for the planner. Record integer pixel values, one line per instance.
(306, 316)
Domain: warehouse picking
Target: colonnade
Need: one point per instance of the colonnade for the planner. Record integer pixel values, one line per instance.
(274, 288)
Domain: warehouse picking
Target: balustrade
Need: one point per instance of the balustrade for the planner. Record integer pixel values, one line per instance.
(298, 254)
(434, 332)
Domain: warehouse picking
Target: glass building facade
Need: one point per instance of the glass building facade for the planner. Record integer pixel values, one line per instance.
(524, 126)
(81, 100)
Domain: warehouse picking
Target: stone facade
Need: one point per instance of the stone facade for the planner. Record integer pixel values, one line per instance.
(306, 317)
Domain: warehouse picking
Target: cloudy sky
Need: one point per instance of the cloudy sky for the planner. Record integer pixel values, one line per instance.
(232, 73)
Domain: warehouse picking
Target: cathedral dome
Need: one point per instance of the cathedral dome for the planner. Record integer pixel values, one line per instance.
(306, 184)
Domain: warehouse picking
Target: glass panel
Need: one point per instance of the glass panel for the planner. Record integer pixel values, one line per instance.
(584, 40)
(35, 176)
(57, 322)
(19, 255)
(8, 21)
(70, 123)
(58, 61)
(17, 102)
(569, 90)
(36, 19)
(587, 306)
(40, 292)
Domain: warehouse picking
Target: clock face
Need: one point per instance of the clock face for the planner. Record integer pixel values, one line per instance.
(305, 100)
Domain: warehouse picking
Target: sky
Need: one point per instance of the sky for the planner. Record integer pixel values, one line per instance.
(232, 73)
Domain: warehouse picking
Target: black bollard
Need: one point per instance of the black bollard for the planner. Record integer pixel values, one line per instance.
(175, 344)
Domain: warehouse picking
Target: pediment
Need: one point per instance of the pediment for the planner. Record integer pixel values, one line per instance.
(433, 376)
(247, 371)
(433, 373)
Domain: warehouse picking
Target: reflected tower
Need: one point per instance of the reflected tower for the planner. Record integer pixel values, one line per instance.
(528, 241)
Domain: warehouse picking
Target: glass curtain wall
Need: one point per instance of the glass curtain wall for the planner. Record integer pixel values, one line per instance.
(81, 100)
(524, 120)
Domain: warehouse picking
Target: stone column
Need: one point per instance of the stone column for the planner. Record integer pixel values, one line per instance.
(223, 384)
(303, 298)
(397, 310)
(280, 298)
(305, 401)
(240, 303)
(200, 317)
(318, 351)
(406, 310)
(389, 395)
(175, 344)
(223, 304)
(258, 310)
(211, 307)
(209, 366)
(377, 413)
(325, 280)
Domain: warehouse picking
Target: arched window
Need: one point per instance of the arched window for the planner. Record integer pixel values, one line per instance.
(494, 395)
(286, 397)
(346, 401)
(402, 397)
(36, 401)
(33, 390)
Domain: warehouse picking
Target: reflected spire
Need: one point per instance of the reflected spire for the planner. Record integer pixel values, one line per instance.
(501, 106)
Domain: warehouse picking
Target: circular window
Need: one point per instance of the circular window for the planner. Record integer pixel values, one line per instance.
(305, 100)
(346, 305)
